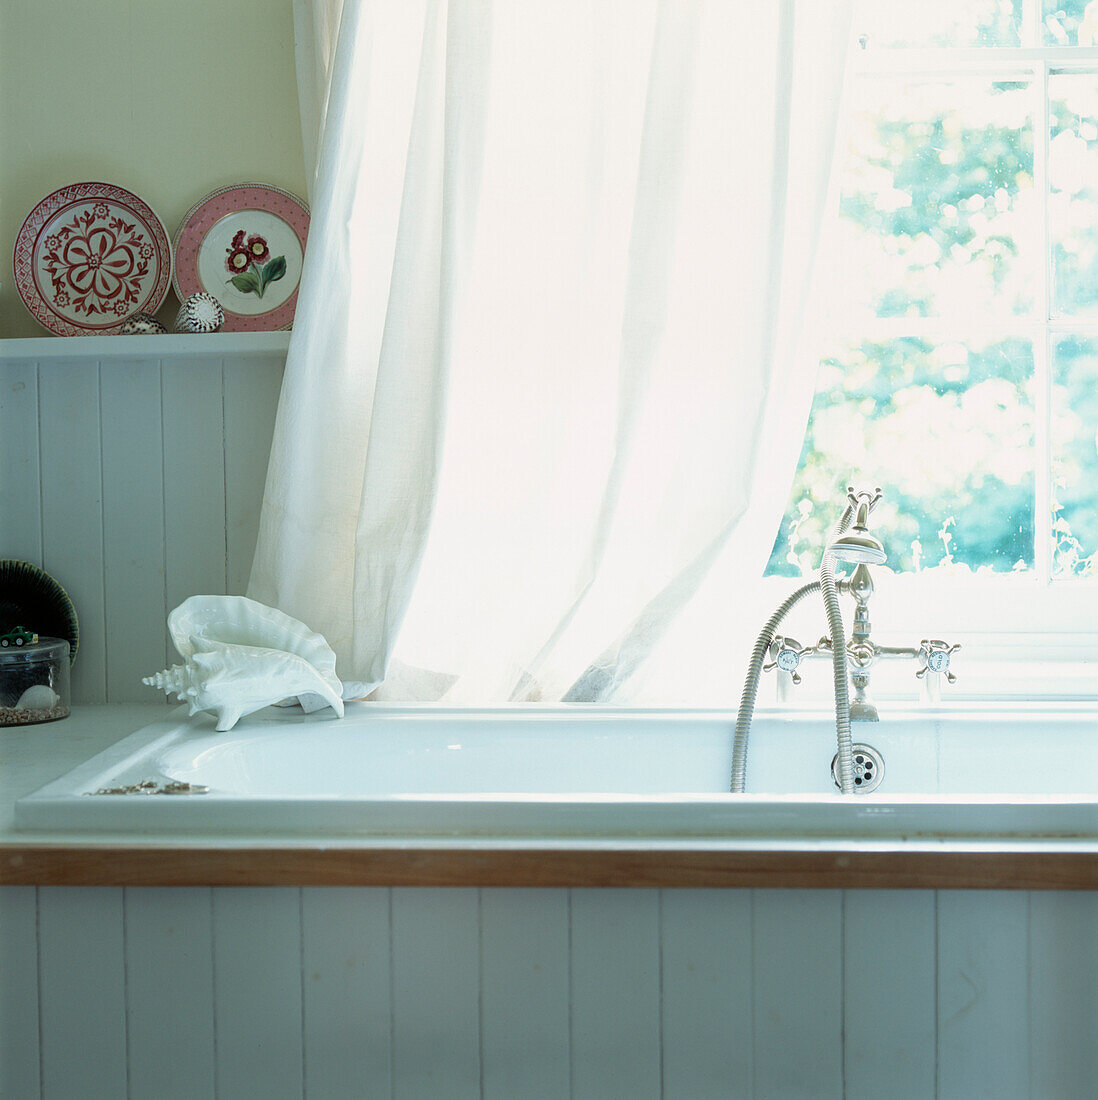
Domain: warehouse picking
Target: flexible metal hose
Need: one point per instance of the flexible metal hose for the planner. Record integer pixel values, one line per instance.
(751, 686)
(758, 656)
(838, 668)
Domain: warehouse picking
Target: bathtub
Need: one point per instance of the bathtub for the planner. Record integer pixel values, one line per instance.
(1004, 772)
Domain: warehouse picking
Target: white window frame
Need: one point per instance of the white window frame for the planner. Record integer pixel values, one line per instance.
(1006, 617)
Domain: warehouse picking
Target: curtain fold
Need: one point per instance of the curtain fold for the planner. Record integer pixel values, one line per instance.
(545, 375)
(316, 32)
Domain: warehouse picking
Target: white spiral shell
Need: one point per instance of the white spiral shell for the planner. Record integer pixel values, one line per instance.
(240, 656)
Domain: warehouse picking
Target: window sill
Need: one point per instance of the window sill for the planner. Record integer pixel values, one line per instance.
(1007, 614)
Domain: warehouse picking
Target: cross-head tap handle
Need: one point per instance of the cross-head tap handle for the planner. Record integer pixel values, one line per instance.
(935, 656)
(855, 497)
(785, 654)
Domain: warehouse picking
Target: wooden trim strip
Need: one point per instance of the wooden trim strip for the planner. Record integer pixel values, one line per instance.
(91, 865)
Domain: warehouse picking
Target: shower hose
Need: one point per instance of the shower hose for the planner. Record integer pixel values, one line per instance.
(827, 587)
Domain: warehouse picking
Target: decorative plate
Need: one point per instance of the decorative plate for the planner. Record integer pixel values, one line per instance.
(244, 245)
(89, 256)
(32, 599)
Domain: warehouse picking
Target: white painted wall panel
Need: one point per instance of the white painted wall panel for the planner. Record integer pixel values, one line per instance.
(18, 991)
(890, 994)
(72, 509)
(469, 993)
(524, 994)
(20, 492)
(436, 993)
(983, 1011)
(615, 994)
(194, 480)
(82, 992)
(798, 972)
(347, 1033)
(1063, 994)
(169, 993)
(257, 992)
(133, 524)
(251, 401)
(136, 481)
(706, 978)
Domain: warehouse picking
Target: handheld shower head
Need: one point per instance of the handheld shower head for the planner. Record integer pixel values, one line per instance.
(857, 545)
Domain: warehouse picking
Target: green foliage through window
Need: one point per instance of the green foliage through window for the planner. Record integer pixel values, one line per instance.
(943, 239)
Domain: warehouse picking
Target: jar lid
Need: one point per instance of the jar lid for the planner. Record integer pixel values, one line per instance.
(26, 652)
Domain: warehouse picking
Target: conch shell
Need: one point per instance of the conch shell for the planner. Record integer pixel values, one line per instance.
(240, 656)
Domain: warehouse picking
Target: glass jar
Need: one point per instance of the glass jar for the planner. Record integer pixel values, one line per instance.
(34, 682)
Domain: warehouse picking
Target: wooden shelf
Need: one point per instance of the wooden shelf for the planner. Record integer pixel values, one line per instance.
(217, 345)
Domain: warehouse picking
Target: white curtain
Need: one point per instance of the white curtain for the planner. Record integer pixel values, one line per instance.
(316, 31)
(545, 369)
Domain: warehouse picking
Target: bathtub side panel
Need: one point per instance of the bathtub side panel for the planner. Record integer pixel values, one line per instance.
(889, 993)
(706, 993)
(347, 1034)
(169, 992)
(257, 991)
(798, 1008)
(1063, 1034)
(436, 993)
(82, 991)
(524, 993)
(615, 994)
(983, 1011)
(495, 990)
(18, 991)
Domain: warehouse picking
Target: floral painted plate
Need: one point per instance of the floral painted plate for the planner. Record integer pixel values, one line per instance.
(89, 256)
(244, 245)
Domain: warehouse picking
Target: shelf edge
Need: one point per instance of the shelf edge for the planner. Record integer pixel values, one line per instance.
(213, 346)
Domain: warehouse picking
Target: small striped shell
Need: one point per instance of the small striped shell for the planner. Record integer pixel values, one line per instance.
(200, 312)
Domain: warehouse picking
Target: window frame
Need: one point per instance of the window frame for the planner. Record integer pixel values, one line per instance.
(1010, 618)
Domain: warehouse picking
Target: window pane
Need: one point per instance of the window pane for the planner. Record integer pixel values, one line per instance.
(1070, 22)
(946, 430)
(938, 208)
(940, 23)
(1075, 457)
(1073, 198)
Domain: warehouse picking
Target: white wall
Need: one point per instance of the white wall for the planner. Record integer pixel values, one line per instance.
(598, 994)
(168, 98)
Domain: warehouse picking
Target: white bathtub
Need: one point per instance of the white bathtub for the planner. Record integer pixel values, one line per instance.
(390, 771)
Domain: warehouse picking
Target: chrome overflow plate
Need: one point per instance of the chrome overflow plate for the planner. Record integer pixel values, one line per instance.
(869, 768)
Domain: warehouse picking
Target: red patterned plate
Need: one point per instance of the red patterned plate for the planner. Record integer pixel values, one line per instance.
(244, 245)
(89, 256)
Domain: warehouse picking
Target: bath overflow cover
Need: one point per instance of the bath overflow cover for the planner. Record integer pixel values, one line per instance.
(869, 768)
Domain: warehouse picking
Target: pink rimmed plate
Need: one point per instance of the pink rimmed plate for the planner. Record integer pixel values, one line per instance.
(89, 256)
(244, 245)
